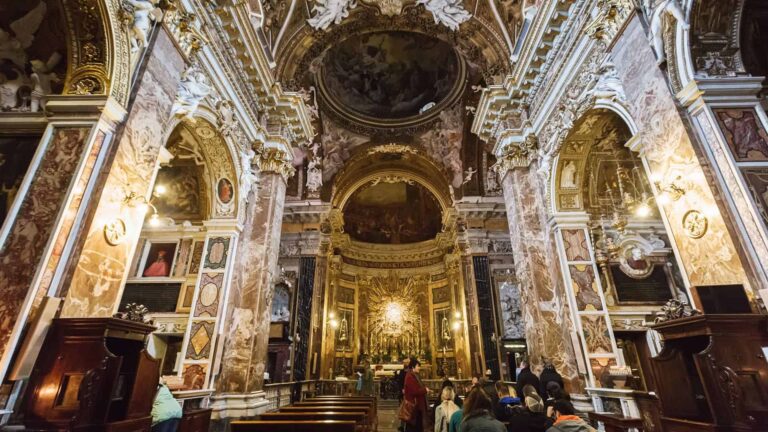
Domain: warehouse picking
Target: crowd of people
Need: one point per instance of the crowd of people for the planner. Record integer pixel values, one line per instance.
(534, 404)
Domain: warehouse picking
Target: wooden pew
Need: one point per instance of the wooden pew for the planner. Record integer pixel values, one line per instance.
(332, 405)
(367, 420)
(293, 426)
(359, 417)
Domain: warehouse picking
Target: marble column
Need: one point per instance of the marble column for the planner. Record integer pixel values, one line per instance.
(250, 297)
(96, 284)
(544, 303)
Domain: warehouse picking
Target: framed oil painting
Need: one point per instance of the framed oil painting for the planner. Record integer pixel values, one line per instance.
(159, 261)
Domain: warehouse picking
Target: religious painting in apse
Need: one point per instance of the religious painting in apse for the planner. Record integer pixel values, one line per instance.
(389, 75)
(183, 197)
(392, 213)
(159, 260)
(443, 337)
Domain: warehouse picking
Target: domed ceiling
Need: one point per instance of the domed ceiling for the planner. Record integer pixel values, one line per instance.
(392, 213)
(390, 77)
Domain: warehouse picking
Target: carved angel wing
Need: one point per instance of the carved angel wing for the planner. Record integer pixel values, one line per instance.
(26, 26)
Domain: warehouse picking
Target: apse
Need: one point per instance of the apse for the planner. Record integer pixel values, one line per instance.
(392, 213)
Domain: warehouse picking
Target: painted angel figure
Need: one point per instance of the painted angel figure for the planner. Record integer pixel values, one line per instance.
(329, 12)
(468, 175)
(13, 47)
(193, 88)
(664, 7)
(141, 21)
(450, 13)
(314, 175)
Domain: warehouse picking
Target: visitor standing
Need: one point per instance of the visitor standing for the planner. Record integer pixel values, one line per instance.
(478, 415)
(526, 377)
(549, 374)
(415, 392)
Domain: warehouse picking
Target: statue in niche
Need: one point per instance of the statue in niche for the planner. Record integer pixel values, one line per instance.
(193, 88)
(343, 329)
(660, 10)
(492, 186)
(446, 333)
(568, 175)
(139, 17)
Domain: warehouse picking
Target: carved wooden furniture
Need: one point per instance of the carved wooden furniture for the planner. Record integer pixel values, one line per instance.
(617, 423)
(292, 426)
(712, 374)
(93, 374)
(197, 420)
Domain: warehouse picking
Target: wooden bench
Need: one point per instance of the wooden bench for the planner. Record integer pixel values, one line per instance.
(369, 422)
(335, 405)
(293, 426)
(359, 417)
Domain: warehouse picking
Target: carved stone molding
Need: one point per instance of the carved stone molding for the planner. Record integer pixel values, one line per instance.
(611, 16)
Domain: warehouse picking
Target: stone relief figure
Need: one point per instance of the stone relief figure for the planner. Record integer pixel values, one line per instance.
(248, 176)
(314, 175)
(450, 13)
(14, 47)
(11, 92)
(609, 84)
(337, 144)
(193, 87)
(226, 117)
(661, 9)
(443, 143)
(139, 19)
(329, 12)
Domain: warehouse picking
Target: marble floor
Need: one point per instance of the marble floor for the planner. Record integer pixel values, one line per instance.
(387, 413)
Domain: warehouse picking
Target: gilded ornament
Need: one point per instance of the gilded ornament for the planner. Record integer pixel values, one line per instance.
(115, 231)
(695, 224)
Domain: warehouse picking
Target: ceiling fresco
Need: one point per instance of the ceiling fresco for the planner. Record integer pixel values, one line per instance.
(392, 213)
(389, 75)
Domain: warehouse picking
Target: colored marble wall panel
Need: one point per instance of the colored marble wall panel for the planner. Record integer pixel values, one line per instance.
(208, 298)
(37, 217)
(575, 242)
(596, 334)
(585, 287)
(218, 251)
(182, 258)
(743, 133)
(200, 335)
(197, 257)
(194, 376)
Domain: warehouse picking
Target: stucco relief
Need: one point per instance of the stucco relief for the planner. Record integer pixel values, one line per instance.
(97, 280)
(711, 259)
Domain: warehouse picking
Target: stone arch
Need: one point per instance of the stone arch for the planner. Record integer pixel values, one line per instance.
(199, 142)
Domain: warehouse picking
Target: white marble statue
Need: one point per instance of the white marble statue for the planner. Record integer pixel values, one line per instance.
(661, 9)
(42, 77)
(141, 21)
(14, 47)
(226, 117)
(314, 175)
(568, 175)
(468, 174)
(9, 91)
(492, 186)
(248, 176)
(450, 13)
(193, 87)
(329, 12)
(609, 84)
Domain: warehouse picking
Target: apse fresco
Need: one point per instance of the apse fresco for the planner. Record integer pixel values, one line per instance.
(392, 213)
(390, 75)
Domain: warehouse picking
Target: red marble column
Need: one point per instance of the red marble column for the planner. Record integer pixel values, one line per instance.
(250, 297)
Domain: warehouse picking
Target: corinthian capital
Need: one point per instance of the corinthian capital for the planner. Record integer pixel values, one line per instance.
(275, 160)
(517, 152)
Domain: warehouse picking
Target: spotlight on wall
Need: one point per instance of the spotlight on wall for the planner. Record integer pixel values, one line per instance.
(132, 199)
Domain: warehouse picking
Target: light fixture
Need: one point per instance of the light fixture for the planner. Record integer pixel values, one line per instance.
(160, 190)
(139, 202)
(643, 210)
(456, 325)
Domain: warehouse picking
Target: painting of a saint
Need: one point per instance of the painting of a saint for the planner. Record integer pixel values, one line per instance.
(159, 260)
(182, 199)
(225, 191)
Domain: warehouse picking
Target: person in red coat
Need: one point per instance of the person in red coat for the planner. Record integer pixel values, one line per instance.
(416, 392)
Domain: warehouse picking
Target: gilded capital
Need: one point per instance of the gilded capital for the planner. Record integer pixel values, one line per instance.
(517, 154)
(271, 159)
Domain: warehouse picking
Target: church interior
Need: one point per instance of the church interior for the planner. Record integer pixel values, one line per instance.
(260, 209)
